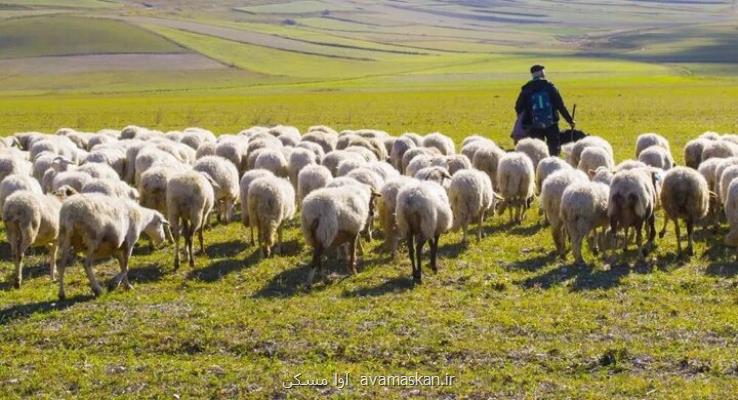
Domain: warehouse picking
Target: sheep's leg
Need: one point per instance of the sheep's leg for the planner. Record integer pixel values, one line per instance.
(52, 260)
(176, 232)
(96, 289)
(639, 239)
(662, 232)
(189, 239)
(65, 256)
(352, 259)
(279, 239)
(479, 226)
(18, 260)
(678, 236)
(251, 229)
(433, 253)
(690, 234)
(369, 228)
(315, 265)
(464, 228)
(651, 228)
(576, 246)
(418, 255)
(557, 233)
(411, 253)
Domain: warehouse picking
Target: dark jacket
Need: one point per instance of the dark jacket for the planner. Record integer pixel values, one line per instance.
(523, 103)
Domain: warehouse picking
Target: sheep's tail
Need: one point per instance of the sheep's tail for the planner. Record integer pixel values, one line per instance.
(320, 229)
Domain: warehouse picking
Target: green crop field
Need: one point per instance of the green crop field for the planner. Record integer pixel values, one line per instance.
(505, 316)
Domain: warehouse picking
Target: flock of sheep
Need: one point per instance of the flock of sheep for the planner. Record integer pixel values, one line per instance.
(96, 193)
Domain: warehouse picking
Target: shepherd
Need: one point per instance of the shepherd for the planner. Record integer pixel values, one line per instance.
(538, 108)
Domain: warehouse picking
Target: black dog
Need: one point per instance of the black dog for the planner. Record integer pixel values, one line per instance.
(571, 135)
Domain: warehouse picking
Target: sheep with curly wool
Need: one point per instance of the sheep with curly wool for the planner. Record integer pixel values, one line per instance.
(17, 182)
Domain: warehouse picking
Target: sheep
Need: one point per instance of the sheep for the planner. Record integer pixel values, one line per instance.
(31, 218)
(601, 175)
(383, 169)
(731, 213)
(190, 199)
(516, 181)
(370, 178)
(102, 138)
(271, 203)
(225, 184)
(326, 140)
(103, 227)
(332, 159)
(656, 156)
(233, 150)
(244, 185)
(332, 217)
(583, 209)
(719, 149)
(98, 170)
(709, 135)
(60, 145)
(470, 195)
(288, 135)
(114, 158)
(205, 149)
(41, 164)
(708, 169)
(365, 153)
(629, 164)
(551, 191)
(453, 163)
(487, 160)
(726, 176)
(183, 153)
(112, 188)
(410, 155)
(473, 143)
(685, 195)
(646, 140)
(314, 147)
(417, 139)
(579, 146)
(546, 167)
(310, 178)
(632, 203)
(147, 157)
(441, 142)
(195, 137)
(386, 207)
(418, 163)
(272, 160)
(346, 166)
(535, 149)
(299, 159)
(693, 152)
(152, 188)
(10, 164)
(423, 214)
(434, 173)
(133, 132)
(73, 179)
(594, 157)
(14, 183)
(399, 147)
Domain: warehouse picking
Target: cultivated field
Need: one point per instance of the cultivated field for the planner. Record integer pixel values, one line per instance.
(505, 316)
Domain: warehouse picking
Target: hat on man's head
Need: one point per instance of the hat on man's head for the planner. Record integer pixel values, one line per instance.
(536, 68)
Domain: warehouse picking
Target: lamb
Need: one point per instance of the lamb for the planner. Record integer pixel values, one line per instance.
(271, 203)
(647, 140)
(272, 160)
(693, 152)
(299, 159)
(551, 192)
(583, 209)
(386, 207)
(546, 167)
(113, 188)
(685, 195)
(632, 203)
(399, 148)
(487, 159)
(31, 218)
(226, 187)
(311, 178)
(535, 149)
(190, 198)
(656, 156)
(441, 142)
(471, 196)
(335, 216)
(516, 181)
(244, 185)
(594, 157)
(14, 183)
(423, 214)
(104, 227)
(152, 188)
(580, 145)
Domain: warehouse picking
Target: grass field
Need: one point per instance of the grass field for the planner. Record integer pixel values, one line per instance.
(505, 316)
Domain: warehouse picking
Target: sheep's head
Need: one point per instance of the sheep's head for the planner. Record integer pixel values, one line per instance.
(158, 229)
(65, 191)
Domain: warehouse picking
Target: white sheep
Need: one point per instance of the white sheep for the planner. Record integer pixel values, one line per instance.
(386, 208)
(190, 198)
(423, 214)
(110, 187)
(583, 210)
(551, 191)
(632, 204)
(693, 152)
(31, 218)
(731, 213)
(244, 185)
(399, 147)
(226, 187)
(629, 164)
(436, 174)
(272, 160)
(473, 143)
(578, 147)
(441, 142)
(12, 164)
(646, 140)
(535, 149)
(271, 203)
(487, 159)
(314, 147)
(471, 196)
(299, 159)
(726, 177)
(205, 149)
(453, 162)
(101, 227)
(516, 180)
(233, 150)
(333, 158)
(410, 155)
(346, 166)
(685, 195)
(656, 156)
(546, 167)
(14, 183)
(152, 187)
(310, 178)
(594, 157)
(383, 169)
(719, 149)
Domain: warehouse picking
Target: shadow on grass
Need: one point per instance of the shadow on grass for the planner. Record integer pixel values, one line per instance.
(225, 249)
(146, 274)
(395, 285)
(216, 270)
(287, 283)
(583, 276)
(21, 311)
(535, 263)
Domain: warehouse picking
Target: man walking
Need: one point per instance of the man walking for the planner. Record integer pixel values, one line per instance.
(540, 103)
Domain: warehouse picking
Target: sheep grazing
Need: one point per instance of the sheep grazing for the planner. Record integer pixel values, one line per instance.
(272, 160)
(103, 227)
(314, 147)
(31, 218)
(12, 164)
(551, 191)
(152, 188)
(411, 154)
(225, 184)
(423, 214)
(583, 209)
(232, 149)
(546, 167)
(685, 195)
(326, 140)
(310, 178)
(470, 195)
(332, 159)
(656, 156)
(112, 188)
(299, 159)
(441, 142)
(729, 174)
(346, 166)
(632, 203)
(435, 174)
(244, 185)
(719, 149)
(399, 148)
(487, 159)
(418, 163)
(386, 207)
(731, 214)
(473, 143)
(693, 152)
(453, 163)
(335, 216)
(516, 180)
(579, 146)
(708, 169)
(190, 198)
(647, 140)
(14, 183)
(594, 157)
(535, 149)
(629, 164)
(271, 203)
(601, 175)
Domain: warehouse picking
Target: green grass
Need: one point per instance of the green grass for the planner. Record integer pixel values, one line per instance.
(58, 35)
